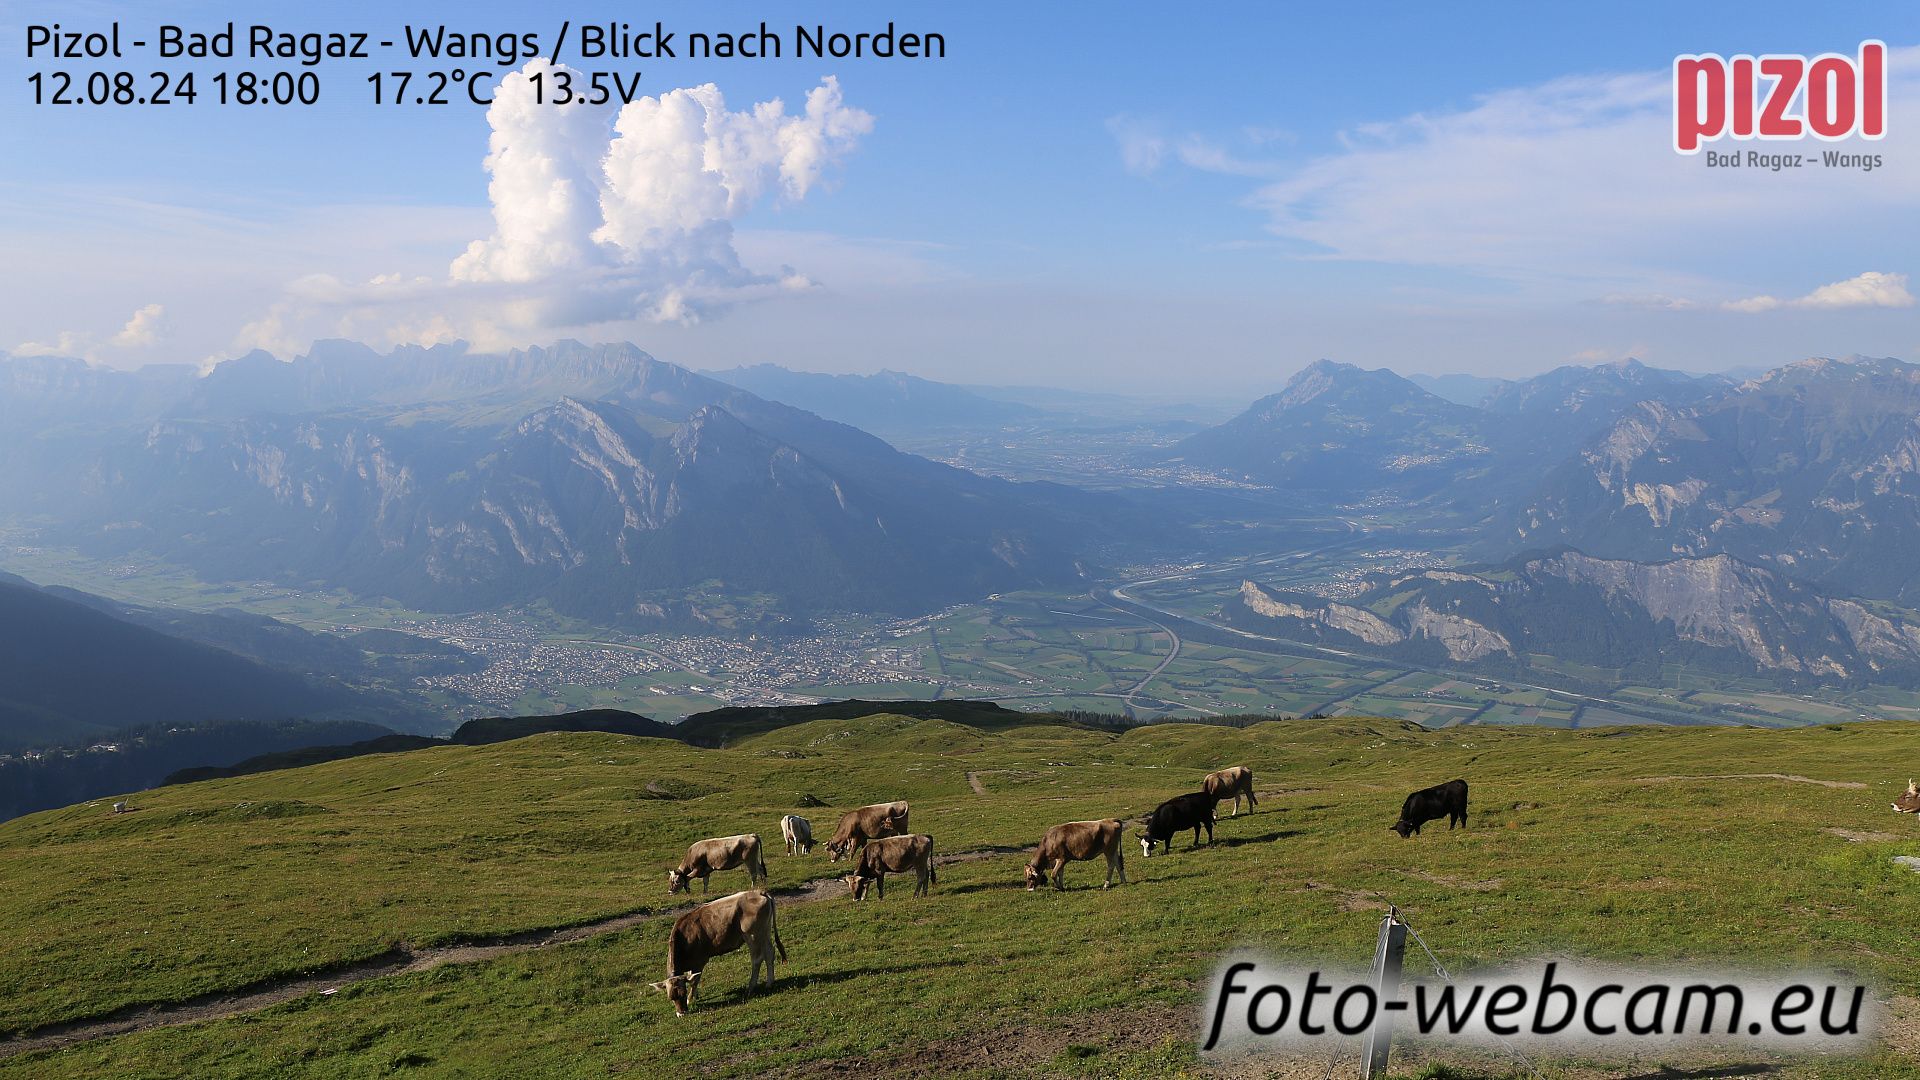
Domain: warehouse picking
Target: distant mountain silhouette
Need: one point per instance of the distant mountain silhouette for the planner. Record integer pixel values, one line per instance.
(70, 672)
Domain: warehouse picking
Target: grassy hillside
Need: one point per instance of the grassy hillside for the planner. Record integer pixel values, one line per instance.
(1664, 845)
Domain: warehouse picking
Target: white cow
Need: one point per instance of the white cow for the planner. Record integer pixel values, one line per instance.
(798, 832)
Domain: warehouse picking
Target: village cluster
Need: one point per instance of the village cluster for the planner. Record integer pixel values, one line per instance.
(877, 839)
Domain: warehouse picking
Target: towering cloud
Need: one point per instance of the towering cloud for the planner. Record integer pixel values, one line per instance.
(649, 212)
(598, 217)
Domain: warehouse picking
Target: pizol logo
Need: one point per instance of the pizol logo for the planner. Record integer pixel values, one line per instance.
(1779, 97)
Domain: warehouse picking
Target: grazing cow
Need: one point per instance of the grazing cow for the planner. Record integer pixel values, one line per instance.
(867, 823)
(1077, 841)
(720, 926)
(1448, 800)
(1909, 802)
(1182, 812)
(893, 855)
(798, 833)
(721, 853)
(1233, 782)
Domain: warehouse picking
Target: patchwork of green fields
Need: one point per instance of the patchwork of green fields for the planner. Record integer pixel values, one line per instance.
(1742, 847)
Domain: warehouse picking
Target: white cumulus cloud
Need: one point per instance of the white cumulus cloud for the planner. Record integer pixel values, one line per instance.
(597, 218)
(142, 329)
(1868, 290)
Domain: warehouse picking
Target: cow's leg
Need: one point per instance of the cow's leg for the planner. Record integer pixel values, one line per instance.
(1059, 874)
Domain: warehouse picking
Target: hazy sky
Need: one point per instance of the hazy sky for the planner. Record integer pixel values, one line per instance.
(1194, 202)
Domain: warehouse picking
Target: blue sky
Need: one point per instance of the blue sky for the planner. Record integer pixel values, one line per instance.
(1192, 202)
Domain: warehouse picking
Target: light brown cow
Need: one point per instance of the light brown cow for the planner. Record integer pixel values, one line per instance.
(1077, 841)
(893, 855)
(721, 853)
(1910, 802)
(716, 927)
(869, 822)
(1235, 782)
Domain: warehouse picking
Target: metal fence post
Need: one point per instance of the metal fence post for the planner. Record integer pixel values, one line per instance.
(1385, 976)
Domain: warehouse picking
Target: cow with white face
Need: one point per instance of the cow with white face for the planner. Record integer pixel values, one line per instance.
(720, 926)
(1909, 802)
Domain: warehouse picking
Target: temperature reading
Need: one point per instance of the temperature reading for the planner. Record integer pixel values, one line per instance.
(431, 87)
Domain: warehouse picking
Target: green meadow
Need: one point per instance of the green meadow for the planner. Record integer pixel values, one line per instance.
(1730, 847)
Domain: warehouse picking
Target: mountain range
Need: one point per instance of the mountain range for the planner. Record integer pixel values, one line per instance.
(1351, 434)
(1812, 469)
(1715, 613)
(71, 671)
(1617, 516)
(593, 478)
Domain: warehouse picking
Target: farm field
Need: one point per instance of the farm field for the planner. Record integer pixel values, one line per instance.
(1724, 847)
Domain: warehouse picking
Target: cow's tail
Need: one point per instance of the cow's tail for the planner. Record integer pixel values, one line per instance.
(773, 913)
(933, 866)
(758, 871)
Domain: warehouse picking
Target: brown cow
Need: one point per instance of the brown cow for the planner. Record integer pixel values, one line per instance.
(1077, 841)
(1910, 802)
(720, 926)
(721, 853)
(893, 855)
(1235, 782)
(867, 823)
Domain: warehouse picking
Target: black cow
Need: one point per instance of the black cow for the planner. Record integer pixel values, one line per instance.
(1182, 812)
(1448, 800)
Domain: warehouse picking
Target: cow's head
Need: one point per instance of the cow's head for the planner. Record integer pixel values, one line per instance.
(678, 881)
(1146, 846)
(1405, 828)
(1909, 802)
(837, 851)
(679, 990)
(1036, 877)
(857, 885)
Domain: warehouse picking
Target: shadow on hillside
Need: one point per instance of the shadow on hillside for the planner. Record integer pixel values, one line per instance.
(828, 978)
(1718, 1072)
(1157, 878)
(1263, 838)
(1012, 883)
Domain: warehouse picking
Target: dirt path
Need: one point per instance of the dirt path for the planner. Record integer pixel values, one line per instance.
(405, 960)
(973, 781)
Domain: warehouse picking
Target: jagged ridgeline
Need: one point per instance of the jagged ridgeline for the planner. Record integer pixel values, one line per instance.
(1714, 613)
(594, 478)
